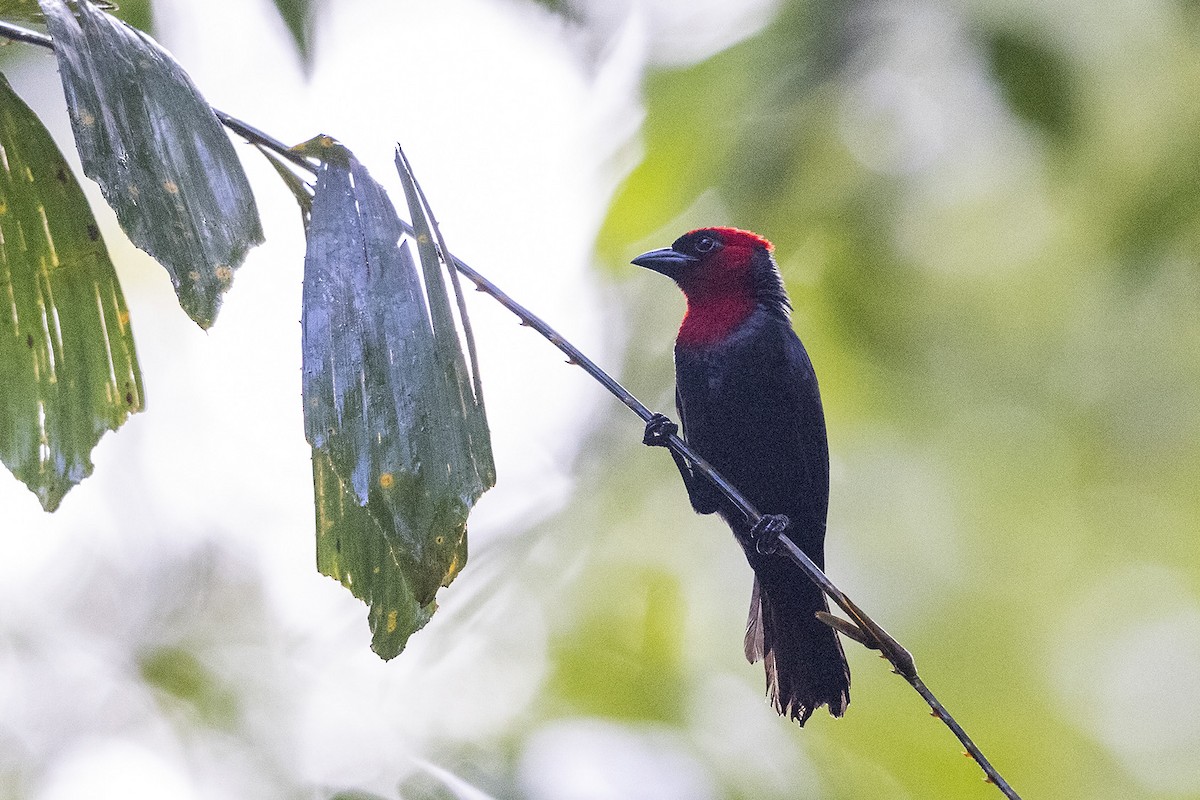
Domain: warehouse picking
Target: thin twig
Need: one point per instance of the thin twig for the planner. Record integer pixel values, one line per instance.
(872, 635)
(255, 136)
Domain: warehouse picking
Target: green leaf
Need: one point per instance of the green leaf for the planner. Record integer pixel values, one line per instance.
(19, 9)
(466, 390)
(1035, 80)
(398, 459)
(297, 15)
(136, 13)
(158, 152)
(184, 680)
(354, 547)
(66, 349)
(28, 9)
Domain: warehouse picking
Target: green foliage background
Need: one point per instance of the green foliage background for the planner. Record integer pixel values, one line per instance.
(987, 216)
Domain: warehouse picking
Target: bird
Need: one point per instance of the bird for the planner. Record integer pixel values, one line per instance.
(748, 400)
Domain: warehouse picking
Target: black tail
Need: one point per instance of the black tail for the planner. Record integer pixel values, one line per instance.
(805, 665)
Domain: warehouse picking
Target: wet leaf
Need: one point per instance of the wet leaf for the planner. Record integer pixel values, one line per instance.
(66, 349)
(159, 154)
(397, 459)
(465, 388)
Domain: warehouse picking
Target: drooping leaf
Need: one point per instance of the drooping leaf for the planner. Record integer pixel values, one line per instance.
(158, 152)
(467, 389)
(66, 350)
(296, 15)
(354, 547)
(397, 456)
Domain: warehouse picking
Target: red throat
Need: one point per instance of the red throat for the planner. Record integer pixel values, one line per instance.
(720, 291)
(710, 321)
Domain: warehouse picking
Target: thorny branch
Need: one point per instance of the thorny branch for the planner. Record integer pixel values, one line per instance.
(862, 628)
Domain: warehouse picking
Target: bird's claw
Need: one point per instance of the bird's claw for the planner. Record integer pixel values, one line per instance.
(659, 428)
(765, 533)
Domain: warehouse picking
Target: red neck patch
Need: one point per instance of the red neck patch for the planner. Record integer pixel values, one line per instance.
(720, 289)
(711, 321)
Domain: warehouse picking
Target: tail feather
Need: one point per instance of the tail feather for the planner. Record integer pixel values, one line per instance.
(754, 627)
(803, 658)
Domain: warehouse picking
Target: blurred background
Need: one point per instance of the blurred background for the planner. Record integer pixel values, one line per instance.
(988, 217)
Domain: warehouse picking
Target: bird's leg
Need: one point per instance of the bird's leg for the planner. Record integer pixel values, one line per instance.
(765, 533)
(702, 494)
(659, 428)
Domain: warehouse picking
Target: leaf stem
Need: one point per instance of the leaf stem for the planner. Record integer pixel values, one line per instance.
(19, 34)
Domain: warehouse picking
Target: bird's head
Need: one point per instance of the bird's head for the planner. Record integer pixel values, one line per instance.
(725, 273)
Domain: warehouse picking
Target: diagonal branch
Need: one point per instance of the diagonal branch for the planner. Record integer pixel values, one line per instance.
(862, 628)
(870, 633)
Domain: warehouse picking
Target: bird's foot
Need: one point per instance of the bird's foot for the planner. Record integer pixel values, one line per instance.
(765, 533)
(659, 428)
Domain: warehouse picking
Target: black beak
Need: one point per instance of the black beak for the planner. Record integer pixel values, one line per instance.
(667, 261)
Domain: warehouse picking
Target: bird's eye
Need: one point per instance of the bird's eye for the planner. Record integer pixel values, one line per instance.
(705, 244)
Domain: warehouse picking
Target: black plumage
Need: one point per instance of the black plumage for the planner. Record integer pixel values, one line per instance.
(749, 403)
